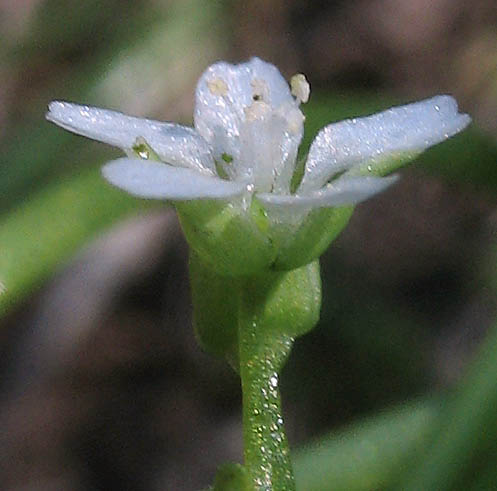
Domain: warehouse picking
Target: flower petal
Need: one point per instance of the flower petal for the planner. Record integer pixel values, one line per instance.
(405, 129)
(344, 191)
(223, 93)
(269, 146)
(150, 179)
(173, 143)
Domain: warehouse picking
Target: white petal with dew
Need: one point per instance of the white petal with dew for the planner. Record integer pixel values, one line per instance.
(173, 143)
(404, 129)
(224, 91)
(149, 179)
(268, 145)
(345, 191)
(288, 146)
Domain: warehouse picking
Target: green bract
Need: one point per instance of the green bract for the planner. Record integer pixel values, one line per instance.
(286, 302)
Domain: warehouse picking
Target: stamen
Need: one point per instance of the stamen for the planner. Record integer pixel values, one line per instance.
(300, 87)
(217, 86)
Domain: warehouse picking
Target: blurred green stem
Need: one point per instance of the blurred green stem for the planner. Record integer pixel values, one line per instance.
(262, 352)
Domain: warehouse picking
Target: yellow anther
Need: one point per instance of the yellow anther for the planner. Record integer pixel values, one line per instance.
(300, 87)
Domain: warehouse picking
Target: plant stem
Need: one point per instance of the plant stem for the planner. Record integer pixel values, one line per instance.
(262, 353)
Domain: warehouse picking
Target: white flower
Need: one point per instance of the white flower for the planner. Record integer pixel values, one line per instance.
(247, 129)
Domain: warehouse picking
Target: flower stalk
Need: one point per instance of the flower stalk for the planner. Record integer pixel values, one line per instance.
(262, 353)
(271, 314)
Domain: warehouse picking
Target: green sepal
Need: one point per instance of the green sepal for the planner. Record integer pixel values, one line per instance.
(322, 226)
(235, 241)
(232, 477)
(226, 236)
(288, 302)
(313, 237)
(384, 166)
(215, 310)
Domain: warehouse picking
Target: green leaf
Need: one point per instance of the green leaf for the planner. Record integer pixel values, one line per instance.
(368, 454)
(466, 432)
(50, 226)
(232, 477)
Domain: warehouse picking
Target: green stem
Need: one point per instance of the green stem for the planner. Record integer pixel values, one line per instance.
(262, 353)
(252, 321)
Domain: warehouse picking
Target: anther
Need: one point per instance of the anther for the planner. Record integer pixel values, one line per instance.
(300, 87)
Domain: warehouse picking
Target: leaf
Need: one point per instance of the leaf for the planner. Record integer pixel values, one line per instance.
(367, 455)
(46, 229)
(466, 432)
(232, 477)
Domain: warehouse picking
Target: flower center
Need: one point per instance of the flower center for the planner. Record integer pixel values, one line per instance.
(268, 135)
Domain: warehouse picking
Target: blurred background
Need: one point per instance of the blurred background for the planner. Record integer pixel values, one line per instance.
(102, 384)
